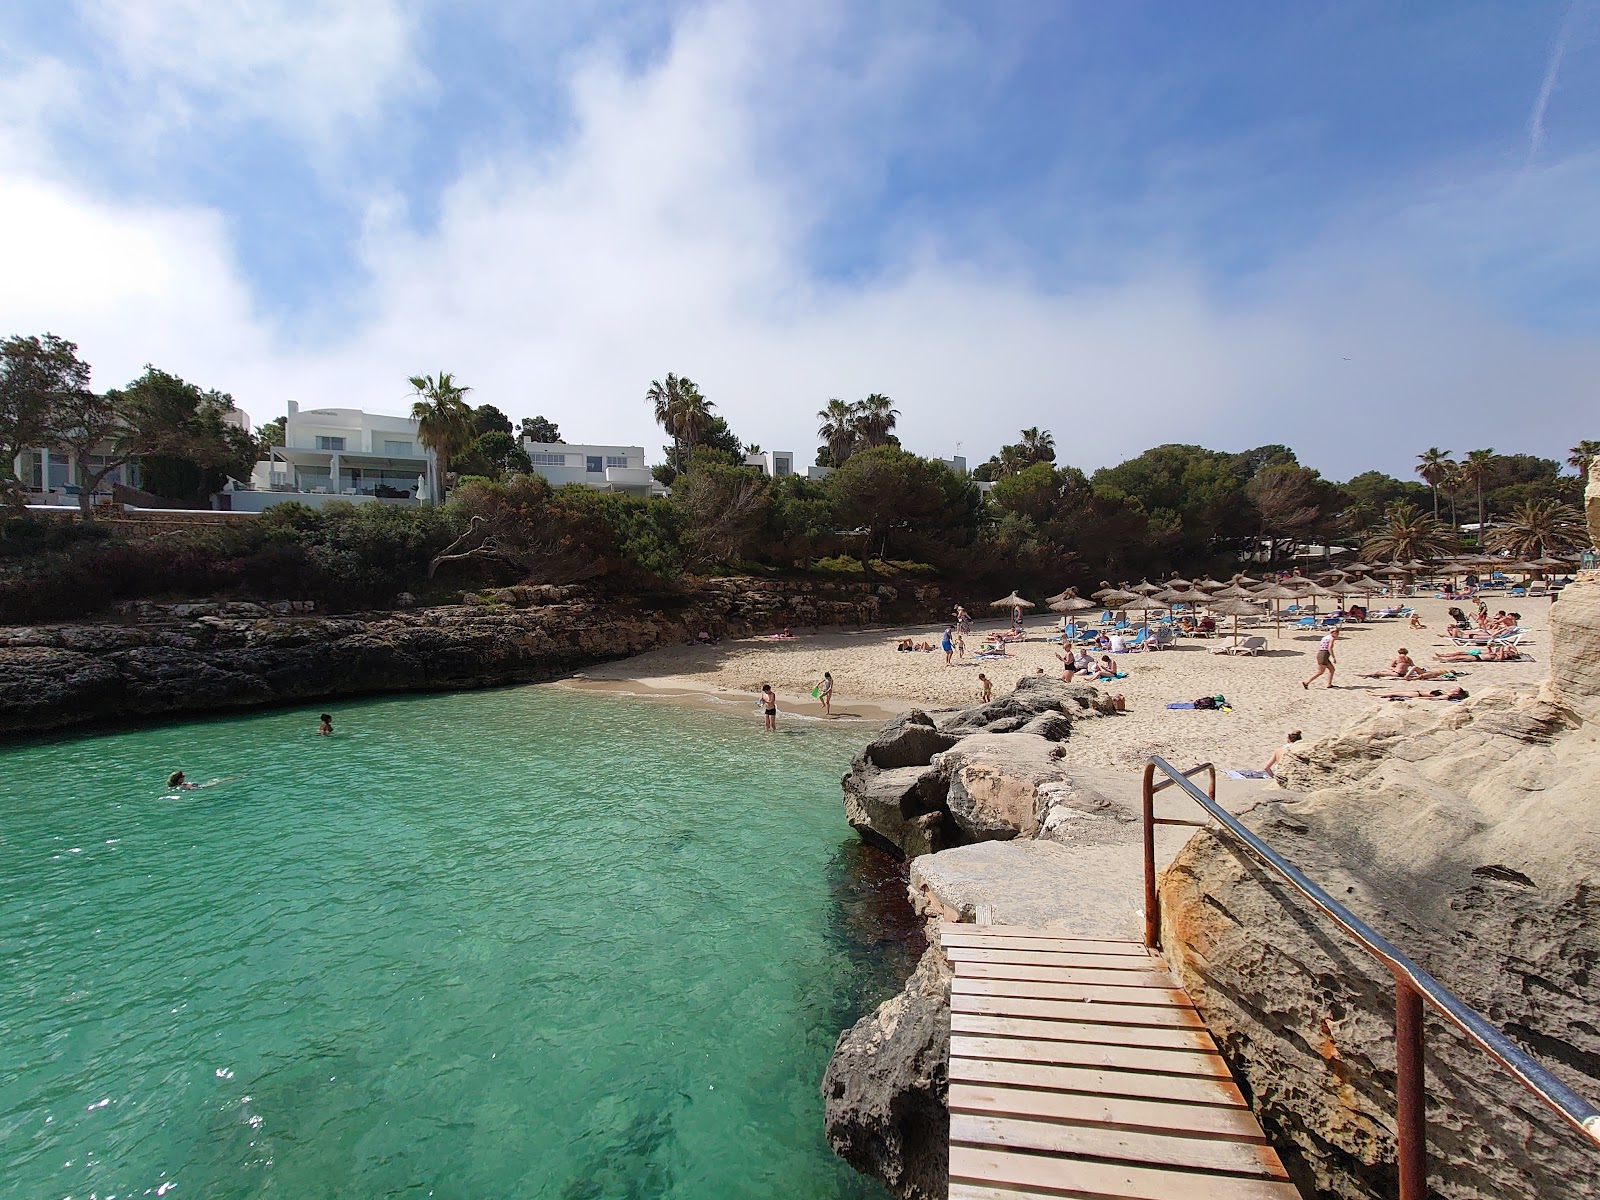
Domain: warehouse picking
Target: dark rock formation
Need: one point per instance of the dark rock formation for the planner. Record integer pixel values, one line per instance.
(923, 785)
(1467, 836)
(202, 657)
(885, 1090)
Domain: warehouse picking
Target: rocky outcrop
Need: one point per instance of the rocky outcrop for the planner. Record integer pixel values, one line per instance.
(925, 784)
(1466, 834)
(202, 657)
(884, 1092)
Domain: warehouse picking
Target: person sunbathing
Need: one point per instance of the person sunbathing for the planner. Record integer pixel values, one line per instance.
(1416, 622)
(1400, 667)
(1105, 668)
(1455, 693)
(905, 644)
(1484, 654)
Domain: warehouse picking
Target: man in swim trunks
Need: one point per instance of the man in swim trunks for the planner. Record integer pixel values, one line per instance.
(769, 707)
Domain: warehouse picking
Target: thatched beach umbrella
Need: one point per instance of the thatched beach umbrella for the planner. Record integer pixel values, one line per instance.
(1235, 607)
(1178, 584)
(1144, 606)
(1209, 584)
(1277, 593)
(1011, 601)
(1115, 597)
(1145, 588)
(1237, 590)
(1108, 590)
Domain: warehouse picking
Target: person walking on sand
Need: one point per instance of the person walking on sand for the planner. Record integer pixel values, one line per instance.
(985, 688)
(825, 694)
(769, 707)
(947, 645)
(1325, 659)
(961, 646)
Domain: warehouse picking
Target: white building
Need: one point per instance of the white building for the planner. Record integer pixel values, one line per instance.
(339, 453)
(774, 464)
(609, 468)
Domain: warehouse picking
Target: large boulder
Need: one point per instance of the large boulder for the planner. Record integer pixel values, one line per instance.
(993, 782)
(1466, 835)
(901, 810)
(885, 1091)
(908, 741)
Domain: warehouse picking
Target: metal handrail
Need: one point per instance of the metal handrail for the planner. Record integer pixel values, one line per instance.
(1412, 986)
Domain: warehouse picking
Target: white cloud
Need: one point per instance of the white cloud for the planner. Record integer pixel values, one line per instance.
(311, 66)
(659, 236)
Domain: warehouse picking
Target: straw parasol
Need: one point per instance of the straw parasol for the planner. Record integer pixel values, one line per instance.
(1176, 583)
(1071, 602)
(1144, 606)
(1237, 590)
(1011, 601)
(1209, 584)
(1145, 588)
(1108, 590)
(1278, 593)
(1115, 597)
(1236, 608)
(1243, 578)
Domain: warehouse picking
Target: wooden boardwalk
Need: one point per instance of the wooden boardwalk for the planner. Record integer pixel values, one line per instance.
(1079, 1068)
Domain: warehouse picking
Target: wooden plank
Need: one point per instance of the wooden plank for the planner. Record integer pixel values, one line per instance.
(1064, 975)
(1132, 1146)
(1019, 953)
(1144, 1015)
(1057, 990)
(1088, 1054)
(970, 935)
(1077, 1177)
(990, 1025)
(1157, 1115)
(1135, 1085)
(1036, 931)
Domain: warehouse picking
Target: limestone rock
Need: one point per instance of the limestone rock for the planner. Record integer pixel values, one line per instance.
(1575, 639)
(886, 1088)
(908, 741)
(993, 783)
(1466, 836)
(901, 810)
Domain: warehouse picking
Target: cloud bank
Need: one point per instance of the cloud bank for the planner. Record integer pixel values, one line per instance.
(675, 223)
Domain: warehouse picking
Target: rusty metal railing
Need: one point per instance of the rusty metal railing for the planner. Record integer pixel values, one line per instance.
(1413, 987)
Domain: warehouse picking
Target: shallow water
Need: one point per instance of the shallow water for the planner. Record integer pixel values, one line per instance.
(522, 942)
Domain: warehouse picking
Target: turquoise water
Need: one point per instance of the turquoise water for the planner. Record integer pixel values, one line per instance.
(526, 942)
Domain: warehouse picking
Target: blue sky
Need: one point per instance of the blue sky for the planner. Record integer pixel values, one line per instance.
(1128, 223)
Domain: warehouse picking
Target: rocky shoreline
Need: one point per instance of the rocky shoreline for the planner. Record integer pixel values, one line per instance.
(1465, 832)
(157, 660)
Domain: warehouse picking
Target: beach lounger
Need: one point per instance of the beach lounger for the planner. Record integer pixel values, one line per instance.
(1250, 645)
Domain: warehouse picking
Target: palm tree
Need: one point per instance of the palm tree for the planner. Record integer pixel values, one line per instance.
(1406, 533)
(838, 430)
(1038, 447)
(682, 411)
(444, 423)
(1539, 527)
(1434, 465)
(1579, 457)
(1476, 469)
(874, 418)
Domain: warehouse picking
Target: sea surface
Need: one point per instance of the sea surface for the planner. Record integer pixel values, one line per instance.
(528, 942)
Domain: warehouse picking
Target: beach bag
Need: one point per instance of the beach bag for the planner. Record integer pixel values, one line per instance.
(1120, 704)
(1206, 702)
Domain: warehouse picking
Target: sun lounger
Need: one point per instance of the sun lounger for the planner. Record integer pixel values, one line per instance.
(1250, 645)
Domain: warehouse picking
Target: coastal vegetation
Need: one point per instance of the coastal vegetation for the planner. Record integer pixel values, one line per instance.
(880, 512)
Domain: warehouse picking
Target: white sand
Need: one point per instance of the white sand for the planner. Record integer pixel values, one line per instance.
(873, 680)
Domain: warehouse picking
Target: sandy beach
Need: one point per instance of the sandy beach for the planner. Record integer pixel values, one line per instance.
(874, 681)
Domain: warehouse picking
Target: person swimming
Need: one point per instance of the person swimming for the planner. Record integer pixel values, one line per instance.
(176, 780)
(325, 729)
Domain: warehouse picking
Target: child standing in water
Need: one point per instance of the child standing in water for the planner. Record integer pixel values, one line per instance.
(326, 728)
(769, 707)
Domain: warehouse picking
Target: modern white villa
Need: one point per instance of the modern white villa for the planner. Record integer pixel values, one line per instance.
(609, 468)
(339, 454)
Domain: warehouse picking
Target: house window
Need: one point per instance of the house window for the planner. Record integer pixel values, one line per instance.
(616, 460)
(549, 460)
(330, 443)
(596, 464)
(397, 449)
(782, 466)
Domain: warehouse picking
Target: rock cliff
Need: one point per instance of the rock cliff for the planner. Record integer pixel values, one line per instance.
(1466, 834)
(178, 658)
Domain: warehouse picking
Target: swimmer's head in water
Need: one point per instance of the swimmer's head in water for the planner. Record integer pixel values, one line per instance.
(326, 718)
(175, 779)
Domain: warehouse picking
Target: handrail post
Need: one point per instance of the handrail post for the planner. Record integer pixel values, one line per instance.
(1411, 1129)
(1152, 914)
